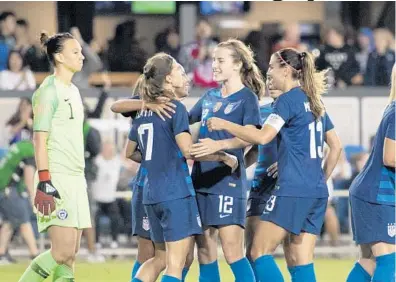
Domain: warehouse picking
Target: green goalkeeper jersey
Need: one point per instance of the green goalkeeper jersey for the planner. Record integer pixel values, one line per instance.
(12, 164)
(58, 110)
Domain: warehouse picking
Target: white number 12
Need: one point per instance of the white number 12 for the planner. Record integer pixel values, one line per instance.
(312, 145)
(149, 146)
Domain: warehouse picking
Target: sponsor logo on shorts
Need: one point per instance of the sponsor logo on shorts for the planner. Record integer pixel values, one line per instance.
(199, 220)
(62, 214)
(392, 229)
(145, 224)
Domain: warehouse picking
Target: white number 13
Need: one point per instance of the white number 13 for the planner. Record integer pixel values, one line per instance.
(312, 146)
(149, 146)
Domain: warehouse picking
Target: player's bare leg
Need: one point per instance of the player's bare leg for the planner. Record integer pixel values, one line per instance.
(251, 225)
(299, 249)
(28, 235)
(231, 237)
(207, 245)
(267, 238)
(176, 255)
(5, 237)
(151, 269)
(332, 226)
(63, 244)
(145, 250)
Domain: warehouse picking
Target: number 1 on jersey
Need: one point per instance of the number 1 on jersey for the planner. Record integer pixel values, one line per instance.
(312, 146)
(149, 146)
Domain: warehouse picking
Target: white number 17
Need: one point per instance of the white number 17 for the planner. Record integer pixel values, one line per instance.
(149, 146)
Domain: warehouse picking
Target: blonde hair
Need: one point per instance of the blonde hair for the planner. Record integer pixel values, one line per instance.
(312, 82)
(250, 73)
(150, 84)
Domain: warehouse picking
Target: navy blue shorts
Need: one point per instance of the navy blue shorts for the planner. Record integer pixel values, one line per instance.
(140, 222)
(256, 203)
(174, 220)
(218, 210)
(295, 214)
(372, 222)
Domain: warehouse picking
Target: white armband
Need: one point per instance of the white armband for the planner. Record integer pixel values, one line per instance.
(275, 121)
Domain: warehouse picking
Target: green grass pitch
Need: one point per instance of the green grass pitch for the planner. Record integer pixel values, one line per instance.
(327, 270)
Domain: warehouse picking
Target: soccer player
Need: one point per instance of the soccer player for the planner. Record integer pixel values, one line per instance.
(61, 197)
(221, 193)
(372, 199)
(168, 194)
(264, 179)
(17, 170)
(296, 208)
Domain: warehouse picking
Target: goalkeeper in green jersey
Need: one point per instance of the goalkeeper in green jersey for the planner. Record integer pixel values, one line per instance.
(16, 185)
(61, 199)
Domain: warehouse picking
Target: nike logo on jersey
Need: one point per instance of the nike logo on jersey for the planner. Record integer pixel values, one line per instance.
(49, 189)
(224, 215)
(67, 100)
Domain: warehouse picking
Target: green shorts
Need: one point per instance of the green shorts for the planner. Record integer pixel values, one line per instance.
(73, 209)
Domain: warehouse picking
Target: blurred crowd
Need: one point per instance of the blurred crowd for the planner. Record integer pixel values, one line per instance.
(355, 57)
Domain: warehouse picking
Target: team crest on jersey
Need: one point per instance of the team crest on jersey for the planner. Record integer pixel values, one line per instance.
(146, 224)
(199, 220)
(392, 229)
(62, 214)
(231, 107)
(217, 106)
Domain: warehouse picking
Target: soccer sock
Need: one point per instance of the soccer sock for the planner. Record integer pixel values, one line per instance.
(254, 270)
(40, 268)
(184, 274)
(136, 280)
(302, 273)
(242, 270)
(166, 278)
(267, 270)
(358, 274)
(63, 273)
(385, 269)
(209, 272)
(135, 269)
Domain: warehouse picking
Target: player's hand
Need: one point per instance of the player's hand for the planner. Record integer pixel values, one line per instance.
(205, 147)
(44, 201)
(216, 124)
(273, 170)
(231, 161)
(161, 109)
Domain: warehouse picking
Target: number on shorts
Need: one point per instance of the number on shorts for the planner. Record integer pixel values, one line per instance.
(270, 203)
(149, 146)
(225, 204)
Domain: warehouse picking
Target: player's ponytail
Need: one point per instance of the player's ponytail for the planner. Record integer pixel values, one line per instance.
(54, 44)
(392, 94)
(250, 73)
(151, 85)
(312, 82)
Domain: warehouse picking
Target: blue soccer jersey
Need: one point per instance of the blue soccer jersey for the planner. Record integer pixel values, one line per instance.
(241, 108)
(267, 155)
(300, 147)
(167, 175)
(376, 182)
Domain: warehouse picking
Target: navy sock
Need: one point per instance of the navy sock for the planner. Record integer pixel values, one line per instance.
(267, 270)
(135, 269)
(166, 278)
(358, 274)
(302, 273)
(242, 270)
(253, 266)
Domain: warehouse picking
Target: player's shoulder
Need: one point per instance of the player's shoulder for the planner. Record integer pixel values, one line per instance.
(47, 87)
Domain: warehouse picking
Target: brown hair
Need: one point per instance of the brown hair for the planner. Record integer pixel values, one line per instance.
(150, 84)
(313, 82)
(54, 44)
(250, 73)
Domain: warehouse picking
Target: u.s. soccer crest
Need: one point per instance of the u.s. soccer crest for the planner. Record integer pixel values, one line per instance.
(146, 224)
(392, 229)
(217, 106)
(231, 107)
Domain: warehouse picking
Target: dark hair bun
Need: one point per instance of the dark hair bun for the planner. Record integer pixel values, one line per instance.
(44, 38)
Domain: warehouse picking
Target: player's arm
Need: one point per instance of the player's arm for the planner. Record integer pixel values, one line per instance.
(45, 103)
(389, 157)
(208, 146)
(132, 153)
(335, 146)
(251, 156)
(132, 105)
